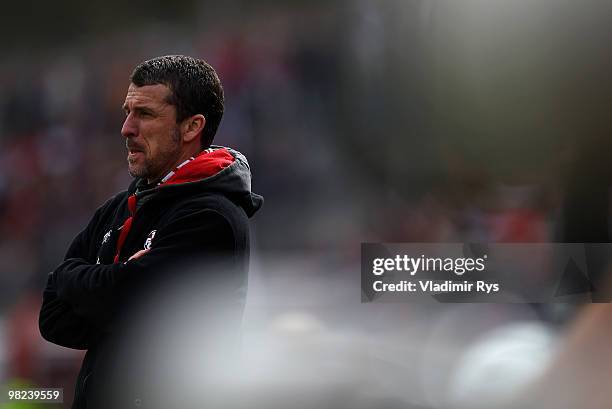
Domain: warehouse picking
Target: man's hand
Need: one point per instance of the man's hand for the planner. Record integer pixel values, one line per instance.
(138, 254)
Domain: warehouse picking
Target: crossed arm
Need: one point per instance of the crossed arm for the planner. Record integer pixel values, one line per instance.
(80, 297)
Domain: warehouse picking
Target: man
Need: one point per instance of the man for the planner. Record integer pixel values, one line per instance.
(189, 202)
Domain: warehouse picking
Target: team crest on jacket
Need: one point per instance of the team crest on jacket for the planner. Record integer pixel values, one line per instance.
(149, 240)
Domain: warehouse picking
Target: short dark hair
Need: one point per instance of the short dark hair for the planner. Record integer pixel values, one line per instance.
(194, 85)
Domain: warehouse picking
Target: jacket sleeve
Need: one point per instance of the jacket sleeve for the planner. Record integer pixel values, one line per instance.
(94, 291)
(58, 322)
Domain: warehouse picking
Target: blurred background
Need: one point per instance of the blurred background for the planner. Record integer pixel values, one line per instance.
(363, 121)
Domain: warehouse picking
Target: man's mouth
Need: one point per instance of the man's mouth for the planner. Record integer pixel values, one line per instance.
(132, 150)
(133, 153)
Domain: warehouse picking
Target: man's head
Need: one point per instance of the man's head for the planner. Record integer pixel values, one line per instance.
(173, 108)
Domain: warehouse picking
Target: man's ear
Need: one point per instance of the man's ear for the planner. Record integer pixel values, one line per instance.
(192, 127)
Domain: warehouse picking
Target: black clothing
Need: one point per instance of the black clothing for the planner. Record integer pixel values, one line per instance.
(199, 214)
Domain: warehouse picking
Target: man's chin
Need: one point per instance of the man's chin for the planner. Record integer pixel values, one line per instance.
(136, 171)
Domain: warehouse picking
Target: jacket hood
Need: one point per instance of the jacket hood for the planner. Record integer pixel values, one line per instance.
(218, 169)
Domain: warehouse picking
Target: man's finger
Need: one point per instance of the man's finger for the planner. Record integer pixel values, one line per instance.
(138, 254)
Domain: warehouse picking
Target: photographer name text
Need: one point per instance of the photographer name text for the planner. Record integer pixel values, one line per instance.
(413, 265)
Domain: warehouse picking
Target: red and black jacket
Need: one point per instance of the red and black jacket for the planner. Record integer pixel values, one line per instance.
(197, 215)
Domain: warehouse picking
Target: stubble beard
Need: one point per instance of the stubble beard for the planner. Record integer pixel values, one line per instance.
(152, 168)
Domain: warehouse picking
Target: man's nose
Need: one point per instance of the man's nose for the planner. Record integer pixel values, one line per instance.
(129, 128)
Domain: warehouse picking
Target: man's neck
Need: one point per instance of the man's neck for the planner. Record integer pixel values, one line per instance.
(192, 153)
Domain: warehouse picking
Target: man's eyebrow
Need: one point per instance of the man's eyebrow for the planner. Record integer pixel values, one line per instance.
(138, 108)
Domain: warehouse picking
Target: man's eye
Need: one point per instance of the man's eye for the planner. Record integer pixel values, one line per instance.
(144, 114)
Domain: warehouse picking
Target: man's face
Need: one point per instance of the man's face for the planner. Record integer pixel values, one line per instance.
(153, 138)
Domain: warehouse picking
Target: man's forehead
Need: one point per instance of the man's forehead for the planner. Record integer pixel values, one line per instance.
(157, 93)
